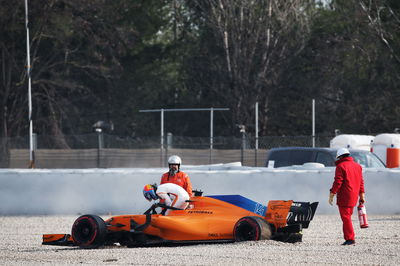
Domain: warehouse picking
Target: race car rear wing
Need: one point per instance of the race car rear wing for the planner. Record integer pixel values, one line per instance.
(302, 212)
(283, 213)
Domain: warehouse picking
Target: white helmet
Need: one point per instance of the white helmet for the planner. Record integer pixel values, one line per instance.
(342, 151)
(175, 159)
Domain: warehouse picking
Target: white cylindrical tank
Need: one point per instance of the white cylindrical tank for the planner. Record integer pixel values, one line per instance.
(387, 148)
(359, 142)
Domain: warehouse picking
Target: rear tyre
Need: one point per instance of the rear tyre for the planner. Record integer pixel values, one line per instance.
(89, 231)
(252, 228)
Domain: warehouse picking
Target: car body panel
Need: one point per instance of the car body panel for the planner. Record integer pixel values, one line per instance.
(206, 220)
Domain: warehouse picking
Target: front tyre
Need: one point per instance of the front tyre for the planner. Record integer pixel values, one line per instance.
(89, 231)
(252, 228)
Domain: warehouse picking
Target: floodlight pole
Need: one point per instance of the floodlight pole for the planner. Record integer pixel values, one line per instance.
(162, 137)
(186, 110)
(211, 133)
(28, 71)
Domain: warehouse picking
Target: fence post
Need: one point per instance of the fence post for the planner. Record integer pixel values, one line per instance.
(256, 133)
(162, 139)
(243, 131)
(169, 143)
(313, 123)
(211, 133)
(99, 144)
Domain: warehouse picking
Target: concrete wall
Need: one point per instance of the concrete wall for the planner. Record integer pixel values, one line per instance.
(102, 191)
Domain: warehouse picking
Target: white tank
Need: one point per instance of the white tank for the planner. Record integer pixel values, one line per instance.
(359, 142)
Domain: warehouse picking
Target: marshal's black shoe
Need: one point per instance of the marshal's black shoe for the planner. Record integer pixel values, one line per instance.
(349, 242)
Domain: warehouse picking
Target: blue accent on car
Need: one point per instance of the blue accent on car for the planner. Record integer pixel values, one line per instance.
(242, 202)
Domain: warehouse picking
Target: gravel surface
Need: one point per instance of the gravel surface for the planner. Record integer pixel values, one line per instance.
(20, 243)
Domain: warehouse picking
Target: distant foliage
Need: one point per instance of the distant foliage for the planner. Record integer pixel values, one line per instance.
(105, 60)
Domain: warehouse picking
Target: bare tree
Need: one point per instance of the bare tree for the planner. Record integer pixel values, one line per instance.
(257, 37)
(75, 55)
(385, 21)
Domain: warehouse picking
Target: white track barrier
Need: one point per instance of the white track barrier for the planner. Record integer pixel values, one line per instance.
(119, 191)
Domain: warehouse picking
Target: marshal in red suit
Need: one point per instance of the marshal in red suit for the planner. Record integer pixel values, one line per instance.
(349, 188)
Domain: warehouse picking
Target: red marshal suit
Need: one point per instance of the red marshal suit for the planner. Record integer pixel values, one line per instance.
(348, 185)
(180, 178)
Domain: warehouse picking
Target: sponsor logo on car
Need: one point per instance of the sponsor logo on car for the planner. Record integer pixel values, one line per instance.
(203, 212)
(259, 209)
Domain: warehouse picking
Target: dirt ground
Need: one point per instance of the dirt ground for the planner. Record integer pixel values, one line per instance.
(21, 236)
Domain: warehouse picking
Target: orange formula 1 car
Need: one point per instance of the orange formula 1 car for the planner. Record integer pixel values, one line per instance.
(210, 219)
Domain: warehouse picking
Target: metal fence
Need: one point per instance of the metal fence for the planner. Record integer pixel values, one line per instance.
(107, 151)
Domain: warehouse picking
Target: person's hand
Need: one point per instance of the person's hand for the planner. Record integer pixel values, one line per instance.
(331, 195)
(362, 198)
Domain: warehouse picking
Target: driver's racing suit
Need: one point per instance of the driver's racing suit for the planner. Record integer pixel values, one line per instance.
(172, 195)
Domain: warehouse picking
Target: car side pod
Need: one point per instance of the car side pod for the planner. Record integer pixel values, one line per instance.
(277, 212)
